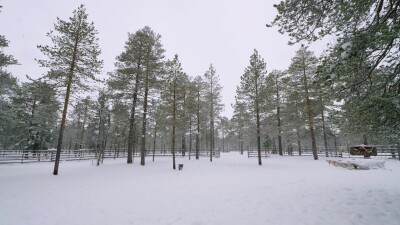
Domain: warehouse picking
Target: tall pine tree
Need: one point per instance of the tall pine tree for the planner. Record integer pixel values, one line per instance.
(250, 86)
(215, 105)
(72, 60)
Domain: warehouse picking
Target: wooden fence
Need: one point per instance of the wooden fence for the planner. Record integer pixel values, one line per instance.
(31, 156)
(383, 151)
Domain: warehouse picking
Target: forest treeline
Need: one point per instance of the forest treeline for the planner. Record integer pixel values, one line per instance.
(350, 94)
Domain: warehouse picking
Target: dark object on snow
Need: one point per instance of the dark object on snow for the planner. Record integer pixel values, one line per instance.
(180, 166)
(364, 150)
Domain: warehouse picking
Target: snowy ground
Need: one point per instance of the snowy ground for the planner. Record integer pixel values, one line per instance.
(231, 190)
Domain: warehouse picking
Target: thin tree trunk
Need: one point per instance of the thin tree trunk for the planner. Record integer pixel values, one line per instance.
(99, 147)
(211, 120)
(324, 129)
(183, 144)
(173, 125)
(241, 143)
(298, 141)
(31, 124)
(223, 141)
(258, 123)
(144, 122)
(83, 127)
(131, 138)
(278, 115)
(132, 129)
(258, 134)
(62, 126)
(155, 140)
(198, 122)
(310, 115)
(398, 150)
(190, 136)
(365, 139)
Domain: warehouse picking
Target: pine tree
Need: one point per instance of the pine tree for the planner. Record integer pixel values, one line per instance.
(303, 66)
(274, 91)
(199, 84)
(103, 124)
(72, 60)
(82, 114)
(240, 118)
(8, 86)
(35, 105)
(364, 64)
(215, 106)
(173, 97)
(137, 69)
(250, 86)
(153, 56)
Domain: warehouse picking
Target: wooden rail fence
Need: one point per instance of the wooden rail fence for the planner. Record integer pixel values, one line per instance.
(34, 156)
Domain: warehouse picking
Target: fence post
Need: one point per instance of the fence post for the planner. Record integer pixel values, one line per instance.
(398, 151)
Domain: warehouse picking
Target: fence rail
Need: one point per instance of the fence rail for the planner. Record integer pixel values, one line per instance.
(34, 156)
(383, 151)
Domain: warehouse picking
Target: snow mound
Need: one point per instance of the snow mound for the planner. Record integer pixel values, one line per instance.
(367, 164)
(363, 164)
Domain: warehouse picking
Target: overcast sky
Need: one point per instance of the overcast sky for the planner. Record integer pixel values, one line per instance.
(222, 32)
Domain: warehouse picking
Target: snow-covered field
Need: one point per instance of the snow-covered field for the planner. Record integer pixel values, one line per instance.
(231, 190)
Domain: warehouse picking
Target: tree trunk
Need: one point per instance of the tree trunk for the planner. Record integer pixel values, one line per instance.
(155, 140)
(190, 136)
(31, 137)
(62, 126)
(99, 137)
(365, 139)
(310, 114)
(131, 136)
(144, 122)
(298, 141)
(223, 141)
(211, 121)
(83, 127)
(198, 122)
(132, 129)
(324, 130)
(240, 137)
(278, 115)
(173, 125)
(258, 124)
(398, 150)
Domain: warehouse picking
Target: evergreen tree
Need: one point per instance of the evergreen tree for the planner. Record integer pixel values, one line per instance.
(173, 97)
(82, 115)
(137, 69)
(200, 87)
(103, 121)
(363, 66)
(215, 105)
(303, 68)
(241, 118)
(274, 88)
(153, 56)
(251, 86)
(35, 106)
(8, 86)
(72, 60)
(119, 123)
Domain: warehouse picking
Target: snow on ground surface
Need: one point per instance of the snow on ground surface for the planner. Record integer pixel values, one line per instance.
(231, 190)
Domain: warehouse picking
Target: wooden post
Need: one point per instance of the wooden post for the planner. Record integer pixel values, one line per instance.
(398, 151)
